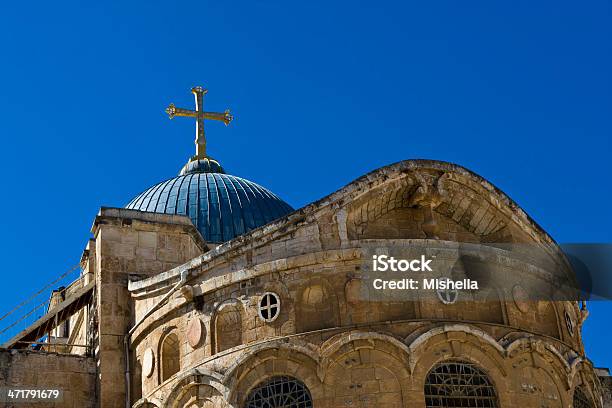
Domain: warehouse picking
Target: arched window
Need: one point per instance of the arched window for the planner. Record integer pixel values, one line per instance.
(580, 399)
(459, 384)
(317, 307)
(280, 392)
(227, 326)
(170, 356)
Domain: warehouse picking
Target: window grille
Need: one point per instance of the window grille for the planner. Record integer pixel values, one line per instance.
(280, 392)
(580, 399)
(454, 384)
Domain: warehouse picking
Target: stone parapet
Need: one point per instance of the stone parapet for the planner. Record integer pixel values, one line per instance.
(75, 375)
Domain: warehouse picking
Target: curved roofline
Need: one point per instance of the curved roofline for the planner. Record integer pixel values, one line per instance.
(361, 185)
(413, 164)
(183, 175)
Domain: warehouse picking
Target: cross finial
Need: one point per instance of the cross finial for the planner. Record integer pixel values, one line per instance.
(225, 117)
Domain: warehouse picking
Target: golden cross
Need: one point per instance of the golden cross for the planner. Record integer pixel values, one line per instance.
(200, 115)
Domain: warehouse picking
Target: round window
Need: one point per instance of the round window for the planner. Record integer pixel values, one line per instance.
(447, 296)
(269, 307)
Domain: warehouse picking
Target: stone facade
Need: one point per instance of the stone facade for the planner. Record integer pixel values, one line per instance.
(606, 384)
(124, 246)
(346, 351)
(193, 317)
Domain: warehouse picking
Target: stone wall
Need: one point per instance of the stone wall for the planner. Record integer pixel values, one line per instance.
(346, 349)
(75, 375)
(131, 243)
(606, 385)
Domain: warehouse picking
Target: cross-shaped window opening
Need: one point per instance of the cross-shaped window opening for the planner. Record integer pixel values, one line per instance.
(269, 306)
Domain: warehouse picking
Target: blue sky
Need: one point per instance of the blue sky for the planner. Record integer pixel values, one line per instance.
(323, 92)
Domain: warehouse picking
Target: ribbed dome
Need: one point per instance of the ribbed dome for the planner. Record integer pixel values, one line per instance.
(221, 206)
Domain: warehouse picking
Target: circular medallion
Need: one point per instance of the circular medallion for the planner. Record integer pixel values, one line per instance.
(520, 297)
(148, 362)
(195, 332)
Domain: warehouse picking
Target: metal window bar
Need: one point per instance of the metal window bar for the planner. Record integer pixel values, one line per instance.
(280, 392)
(459, 384)
(581, 400)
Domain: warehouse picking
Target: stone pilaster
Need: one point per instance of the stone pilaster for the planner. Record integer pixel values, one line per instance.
(131, 244)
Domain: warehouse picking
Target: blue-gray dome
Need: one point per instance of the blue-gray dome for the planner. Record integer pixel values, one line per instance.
(221, 206)
(206, 165)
